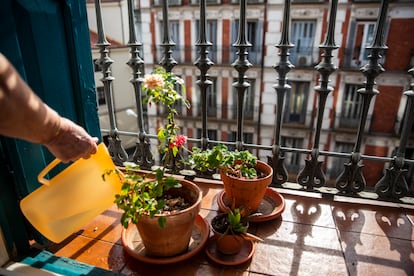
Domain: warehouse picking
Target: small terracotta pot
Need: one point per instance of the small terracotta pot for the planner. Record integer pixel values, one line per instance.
(228, 244)
(175, 237)
(247, 193)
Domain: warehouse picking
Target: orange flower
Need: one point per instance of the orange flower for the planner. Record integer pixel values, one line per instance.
(153, 81)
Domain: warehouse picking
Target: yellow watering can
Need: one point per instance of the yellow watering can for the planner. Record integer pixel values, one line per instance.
(73, 197)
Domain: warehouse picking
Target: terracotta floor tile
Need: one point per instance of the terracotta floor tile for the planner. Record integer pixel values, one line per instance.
(106, 226)
(367, 254)
(94, 252)
(234, 272)
(314, 236)
(297, 249)
(376, 220)
(210, 196)
(308, 211)
(187, 267)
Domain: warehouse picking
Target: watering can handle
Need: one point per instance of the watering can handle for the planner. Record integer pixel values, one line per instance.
(41, 177)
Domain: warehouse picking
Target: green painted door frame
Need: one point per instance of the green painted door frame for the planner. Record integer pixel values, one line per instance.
(48, 43)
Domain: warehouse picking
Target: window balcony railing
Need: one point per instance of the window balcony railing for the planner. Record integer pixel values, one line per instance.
(183, 54)
(391, 184)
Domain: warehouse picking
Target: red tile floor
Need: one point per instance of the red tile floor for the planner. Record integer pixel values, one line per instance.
(313, 236)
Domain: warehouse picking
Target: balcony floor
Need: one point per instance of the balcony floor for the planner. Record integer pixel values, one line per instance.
(314, 236)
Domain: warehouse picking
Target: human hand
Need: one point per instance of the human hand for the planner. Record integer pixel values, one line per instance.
(72, 142)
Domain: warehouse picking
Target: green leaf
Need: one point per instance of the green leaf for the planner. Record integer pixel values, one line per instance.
(162, 222)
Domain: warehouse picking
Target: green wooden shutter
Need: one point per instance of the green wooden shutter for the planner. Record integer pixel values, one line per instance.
(48, 43)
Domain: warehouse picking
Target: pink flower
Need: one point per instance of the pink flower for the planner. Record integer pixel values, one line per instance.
(153, 81)
(180, 140)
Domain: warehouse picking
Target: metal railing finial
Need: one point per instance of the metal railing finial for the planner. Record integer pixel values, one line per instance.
(115, 148)
(280, 173)
(351, 180)
(312, 175)
(241, 65)
(167, 61)
(142, 154)
(203, 63)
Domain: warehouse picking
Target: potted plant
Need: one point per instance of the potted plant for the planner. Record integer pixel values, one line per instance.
(167, 89)
(245, 178)
(230, 231)
(162, 207)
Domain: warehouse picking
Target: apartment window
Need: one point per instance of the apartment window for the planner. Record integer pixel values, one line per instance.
(338, 162)
(211, 97)
(351, 107)
(178, 105)
(174, 31)
(403, 122)
(296, 102)
(211, 135)
(248, 103)
(292, 159)
(208, 2)
(247, 138)
(171, 3)
(211, 35)
(303, 36)
(254, 36)
(248, 1)
(100, 95)
(363, 38)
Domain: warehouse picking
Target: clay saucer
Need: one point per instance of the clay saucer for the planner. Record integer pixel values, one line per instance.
(243, 256)
(131, 240)
(271, 207)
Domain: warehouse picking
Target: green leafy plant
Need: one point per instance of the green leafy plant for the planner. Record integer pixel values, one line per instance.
(235, 222)
(162, 87)
(232, 223)
(142, 194)
(236, 163)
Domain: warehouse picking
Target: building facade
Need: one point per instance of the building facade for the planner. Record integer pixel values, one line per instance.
(354, 31)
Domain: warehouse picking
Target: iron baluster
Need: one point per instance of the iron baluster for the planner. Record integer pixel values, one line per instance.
(171, 162)
(241, 65)
(393, 184)
(142, 154)
(312, 175)
(280, 173)
(203, 63)
(352, 179)
(115, 148)
(167, 61)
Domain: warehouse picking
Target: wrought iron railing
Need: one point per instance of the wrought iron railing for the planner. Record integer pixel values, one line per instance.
(311, 176)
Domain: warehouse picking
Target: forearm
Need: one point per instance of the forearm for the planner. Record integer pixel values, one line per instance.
(22, 114)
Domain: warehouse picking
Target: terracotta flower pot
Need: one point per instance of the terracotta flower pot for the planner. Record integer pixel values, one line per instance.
(175, 237)
(226, 243)
(247, 193)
